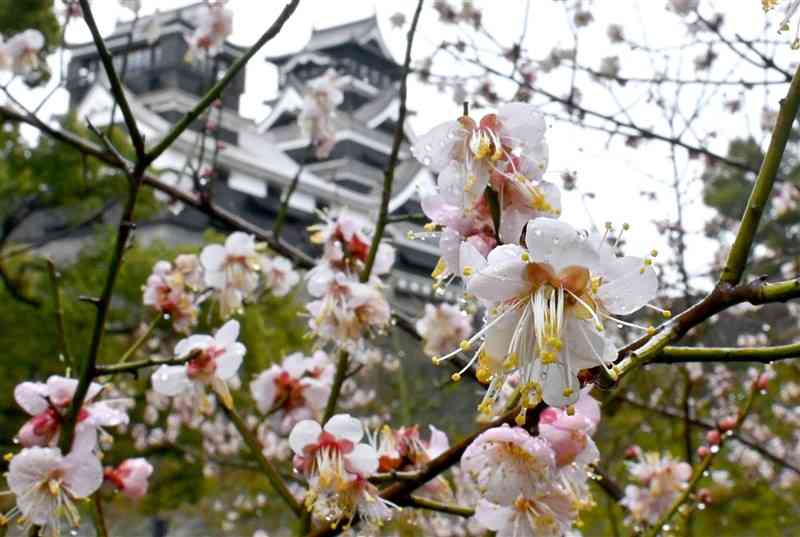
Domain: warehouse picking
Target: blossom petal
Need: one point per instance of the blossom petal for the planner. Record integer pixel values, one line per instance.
(558, 244)
(492, 516)
(503, 278)
(228, 364)
(345, 427)
(171, 380)
(191, 343)
(31, 397)
(83, 474)
(213, 257)
(363, 460)
(303, 434)
(227, 334)
(560, 387)
(631, 288)
(435, 148)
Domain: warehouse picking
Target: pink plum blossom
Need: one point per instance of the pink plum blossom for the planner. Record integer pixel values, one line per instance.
(21, 52)
(49, 402)
(213, 28)
(443, 327)
(297, 389)
(232, 270)
(570, 434)
(130, 477)
(170, 290)
(216, 360)
(279, 275)
(661, 480)
(319, 104)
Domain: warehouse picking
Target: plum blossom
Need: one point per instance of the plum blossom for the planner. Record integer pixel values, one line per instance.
(346, 238)
(20, 53)
(49, 402)
(295, 390)
(213, 28)
(684, 7)
(232, 270)
(516, 474)
(346, 309)
(279, 275)
(170, 290)
(570, 434)
(214, 361)
(661, 479)
(47, 484)
(130, 477)
(319, 104)
(442, 327)
(549, 513)
(337, 467)
(506, 151)
(547, 307)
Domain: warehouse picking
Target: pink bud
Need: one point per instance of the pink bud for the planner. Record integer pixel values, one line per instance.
(704, 495)
(727, 424)
(220, 145)
(217, 103)
(703, 452)
(633, 452)
(762, 383)
(713, 437)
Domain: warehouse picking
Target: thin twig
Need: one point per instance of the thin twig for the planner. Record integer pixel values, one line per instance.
(58, 306)
(140, 341)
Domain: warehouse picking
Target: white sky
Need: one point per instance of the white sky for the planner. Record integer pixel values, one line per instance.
(614, 173)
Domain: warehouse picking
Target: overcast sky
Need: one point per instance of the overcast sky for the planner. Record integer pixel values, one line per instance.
(614, 173)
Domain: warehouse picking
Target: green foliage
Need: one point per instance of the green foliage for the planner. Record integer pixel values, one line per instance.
(19, 15)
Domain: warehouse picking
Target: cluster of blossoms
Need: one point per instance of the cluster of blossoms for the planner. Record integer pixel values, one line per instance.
(295, 390)
(661, 479)
(337, 466)
(319, 105)
(232, 273)
(535, 486)
(47, 483)
(212, 29)
(346, 309)
(443, 327)
(20, 54)
(549, 289)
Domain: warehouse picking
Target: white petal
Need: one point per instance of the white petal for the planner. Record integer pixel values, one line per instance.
(493, 517)
(498, 282)
(585, 346)
(498, 337)
(345, 427)
(228, 364)
(303, 434)
(83, 474)
(263, 389)
(555, 381)
(85, 437)
(363, 460)
(227, 334)
(171, 380)
(212, 257)
(61, 389)
(191, 343)
(240, 244)
(438, 443)
(631, 287)
(558, 244)
(434, 149)
(470, 257)
(31, 397)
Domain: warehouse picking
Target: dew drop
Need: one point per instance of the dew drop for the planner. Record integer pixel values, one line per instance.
(428, 148)
(556, 241)
(714, 449)
(426, 161)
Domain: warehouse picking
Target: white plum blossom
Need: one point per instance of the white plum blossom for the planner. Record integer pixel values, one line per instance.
(20, 53)
(346, 310)
(214, 361)
(296, 390)
(684, 7)
(346, 238)
(506, 151)
(661, 480)
(337, 466)
(171, 290)
(232, 270)
(443, 327)
(213, 28)
(49, 403)
(508, 462)
(47, 486)
(516, 475)
(322, 97)
(547, 307)
(279, 275)
(130, 477)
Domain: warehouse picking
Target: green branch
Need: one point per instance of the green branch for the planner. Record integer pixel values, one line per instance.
(440, 507)
(217, 88)
(764, 355)
(264, 464)
(737, 258)
(116, 86)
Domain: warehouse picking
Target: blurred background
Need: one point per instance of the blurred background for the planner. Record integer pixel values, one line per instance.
(658, 111)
